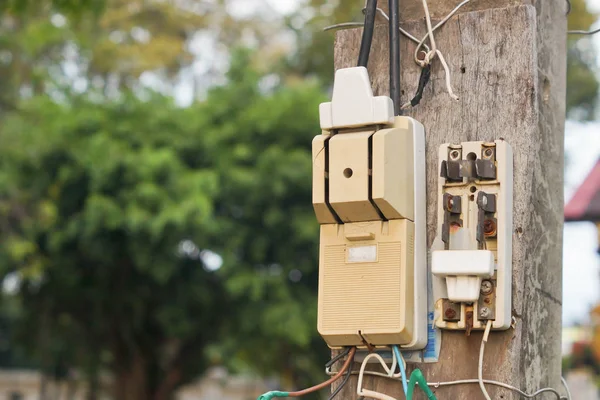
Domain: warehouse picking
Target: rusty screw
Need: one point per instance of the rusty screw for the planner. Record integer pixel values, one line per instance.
(455, 226)
(454, 154)
(450, 313)
(489, 227)
(487, 300)
(450, 204)
(486, 287)
(489, 153)
(485, 312)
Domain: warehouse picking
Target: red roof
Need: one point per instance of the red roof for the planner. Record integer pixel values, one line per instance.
(585, 204)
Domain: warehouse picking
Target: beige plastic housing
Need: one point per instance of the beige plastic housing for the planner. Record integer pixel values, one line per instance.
(369, 197)
(349, 177)
(352, 183)
(366, 274)
(456, 258)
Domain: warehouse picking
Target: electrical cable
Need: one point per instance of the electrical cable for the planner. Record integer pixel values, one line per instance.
(423, 81)
(431, 54)
(437, 385)
(588, 33)
(401, 364)
(420, 43)
(344, 382)
(368, 31)
(394, 26)
(486, 336)
(337, 358)
(417, 378)
(369, 393)
(345, 367)
(566, 385)
(502, 385)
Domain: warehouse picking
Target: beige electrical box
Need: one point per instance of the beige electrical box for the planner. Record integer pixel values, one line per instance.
(367, 280)
(369, 197)
(372, 285)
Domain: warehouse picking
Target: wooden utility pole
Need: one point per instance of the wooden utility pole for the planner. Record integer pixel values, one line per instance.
(508, 63)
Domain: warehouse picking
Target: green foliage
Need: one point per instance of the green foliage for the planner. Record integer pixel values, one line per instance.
(314, 56)
(69, 6)
(96, 199)
(582, 80)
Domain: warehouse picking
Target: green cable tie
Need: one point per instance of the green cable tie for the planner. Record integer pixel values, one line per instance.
(417, 378)
(270, 395)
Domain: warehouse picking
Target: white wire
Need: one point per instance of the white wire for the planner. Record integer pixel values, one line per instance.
(344, 25)
(435, 28)
(408, 104)
(448, 79)
(421, 43)
(486, 336)
(390, 374)
(502, 385)
(431, 54)
(394, 363)
(437, 385)
(566, 385)
(588, 33)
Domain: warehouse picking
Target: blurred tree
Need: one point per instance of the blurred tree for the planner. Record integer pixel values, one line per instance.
(314, 55)
(69, 6)
(582, 81)
(47, 49)
(107, 211)
(70, 46)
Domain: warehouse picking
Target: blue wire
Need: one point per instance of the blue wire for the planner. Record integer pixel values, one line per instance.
(402, 370)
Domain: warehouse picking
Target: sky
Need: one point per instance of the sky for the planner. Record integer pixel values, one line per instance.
(581, 273)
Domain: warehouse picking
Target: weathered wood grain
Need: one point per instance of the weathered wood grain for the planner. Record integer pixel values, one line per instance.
(508, 67)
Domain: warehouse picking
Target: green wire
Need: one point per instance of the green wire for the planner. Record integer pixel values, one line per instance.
(270, 395)
(417, 378)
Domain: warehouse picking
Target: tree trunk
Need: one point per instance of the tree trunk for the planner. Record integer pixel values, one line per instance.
(168, 386)
(131, 380)
(43, 386)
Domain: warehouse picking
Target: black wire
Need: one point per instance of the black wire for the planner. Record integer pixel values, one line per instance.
(423, 81)
(394, 6)
(569, 7)
(344, 382)
(367, 37)
(338, 357)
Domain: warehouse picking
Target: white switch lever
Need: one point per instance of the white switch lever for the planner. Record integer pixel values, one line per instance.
(463, 270)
